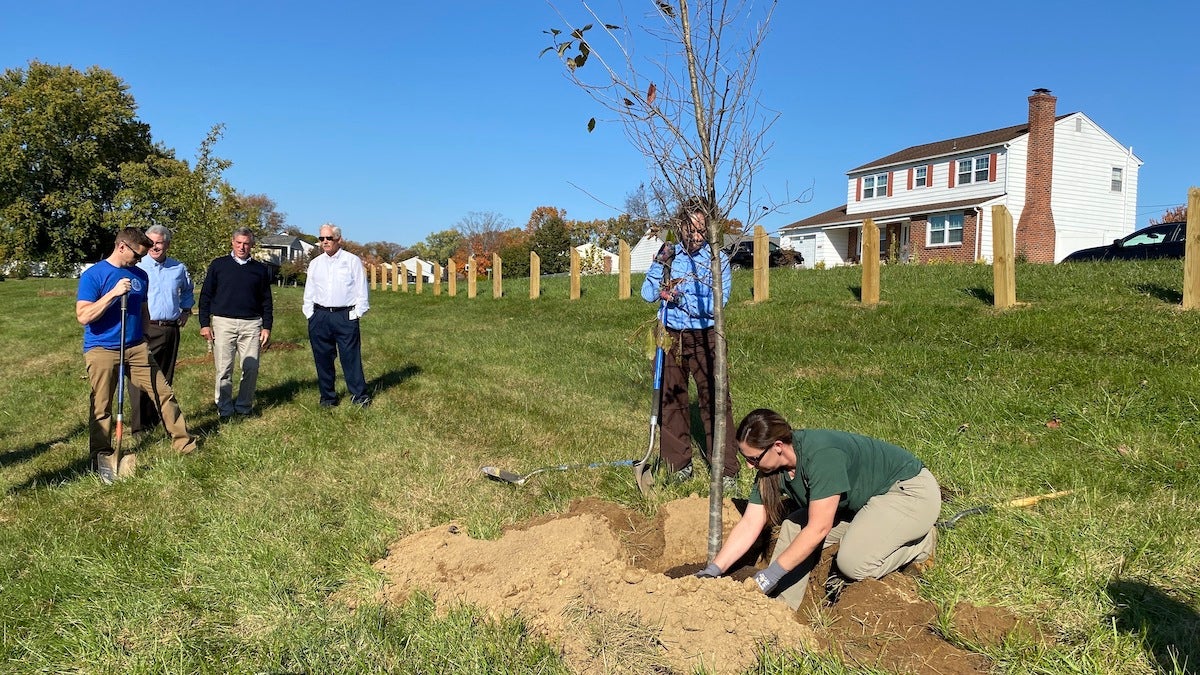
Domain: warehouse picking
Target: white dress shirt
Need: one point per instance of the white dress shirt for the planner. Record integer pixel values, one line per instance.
(337, 280)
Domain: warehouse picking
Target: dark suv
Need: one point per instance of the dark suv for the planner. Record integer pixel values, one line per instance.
(1157, 241)
(741, 256)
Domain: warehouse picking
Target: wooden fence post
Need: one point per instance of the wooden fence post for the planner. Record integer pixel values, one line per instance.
(497, 276)
(395, 280)
(372, 276)
(420, 285)
(870, 262)
(623, 290)
(762, 267)
(437, 279)
(1004, 270)
(1191, 252)
(535, 276)
(451, 278)
(403, 280)
(574, 273)
(470, 276)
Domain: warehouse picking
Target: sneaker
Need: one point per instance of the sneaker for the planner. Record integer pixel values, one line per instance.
(331, 403)
(364, 402)
(729, 486)
(127, 467)
(683, 475)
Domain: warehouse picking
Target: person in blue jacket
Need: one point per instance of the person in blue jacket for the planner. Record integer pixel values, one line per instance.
(680, 278)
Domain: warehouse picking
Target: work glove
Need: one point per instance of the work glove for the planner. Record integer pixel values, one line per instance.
(710, 572)
(769, 578)
(665, 255)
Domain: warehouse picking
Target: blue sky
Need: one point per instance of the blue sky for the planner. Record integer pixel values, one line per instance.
(395, 120)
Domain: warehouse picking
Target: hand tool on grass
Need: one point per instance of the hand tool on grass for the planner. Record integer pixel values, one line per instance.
(643, 473)
(112, 472)
(517, 479)
(1012, 503)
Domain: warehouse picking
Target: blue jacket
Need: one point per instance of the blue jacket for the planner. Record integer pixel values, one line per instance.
(693, 308)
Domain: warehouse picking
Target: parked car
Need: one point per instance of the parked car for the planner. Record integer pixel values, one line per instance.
(741, 256)
(1157, 241)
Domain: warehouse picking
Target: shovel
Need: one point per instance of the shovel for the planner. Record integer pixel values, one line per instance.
(499, 474)
(1012, 503)
(643, 473)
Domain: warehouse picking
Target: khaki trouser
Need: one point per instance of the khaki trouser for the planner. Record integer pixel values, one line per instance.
(102, 365)
(235, 338)
(890, 531)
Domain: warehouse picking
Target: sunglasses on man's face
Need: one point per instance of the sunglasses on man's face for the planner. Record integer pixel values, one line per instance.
(327, 238)
(137, 257)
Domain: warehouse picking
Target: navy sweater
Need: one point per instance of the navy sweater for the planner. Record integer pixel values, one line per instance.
(236, 291)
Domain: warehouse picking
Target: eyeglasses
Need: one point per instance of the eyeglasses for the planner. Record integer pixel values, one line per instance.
(753, 461)
(137, 257)
(327, 238)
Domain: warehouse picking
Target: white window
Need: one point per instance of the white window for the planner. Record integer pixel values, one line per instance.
(920, 178)
(1116, 179)
(945, 230)
(974, 170)
(875, 186)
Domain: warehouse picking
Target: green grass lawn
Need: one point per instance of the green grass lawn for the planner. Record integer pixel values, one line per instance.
(254, 555)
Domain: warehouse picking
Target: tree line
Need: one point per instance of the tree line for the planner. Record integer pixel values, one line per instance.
(77, 165)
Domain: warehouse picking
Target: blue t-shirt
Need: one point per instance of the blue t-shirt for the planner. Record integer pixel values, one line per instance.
(106, 330)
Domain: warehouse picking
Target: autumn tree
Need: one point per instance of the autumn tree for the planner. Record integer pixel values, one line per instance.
(439, 246)
(1175, 214)
(64, 135)
(482, 233)
(551, 240)
(694, 115)
(514, 251)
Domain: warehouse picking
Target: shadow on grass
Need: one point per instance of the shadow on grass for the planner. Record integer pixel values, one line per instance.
(856, 291)
(392, 378)
(1161, 293)
(78, 469)
(1169, 628)
(981, 294)
(22, 454)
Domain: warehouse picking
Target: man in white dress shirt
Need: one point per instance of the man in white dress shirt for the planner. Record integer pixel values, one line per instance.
(335, 296)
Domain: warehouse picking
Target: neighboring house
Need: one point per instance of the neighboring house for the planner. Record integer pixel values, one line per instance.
(1066, 182)
(641, 256)
(596, 260)
(414, 266)
(282, 248)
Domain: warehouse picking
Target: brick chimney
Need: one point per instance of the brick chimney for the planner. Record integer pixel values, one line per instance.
(1035, 231)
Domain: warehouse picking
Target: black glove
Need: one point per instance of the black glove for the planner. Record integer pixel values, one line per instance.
(710, 572)
(665, 255)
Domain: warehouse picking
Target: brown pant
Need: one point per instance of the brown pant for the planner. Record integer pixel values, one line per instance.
(692, 354)
(102, 365)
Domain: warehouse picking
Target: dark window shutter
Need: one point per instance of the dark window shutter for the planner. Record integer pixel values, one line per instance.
(858, 190)
(992, 168)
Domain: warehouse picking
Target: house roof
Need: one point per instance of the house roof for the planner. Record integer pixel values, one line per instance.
(951, 146)
(278, 240)
(838, 215)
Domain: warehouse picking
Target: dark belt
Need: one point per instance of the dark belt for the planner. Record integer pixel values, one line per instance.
(323, 308)
(154, 322)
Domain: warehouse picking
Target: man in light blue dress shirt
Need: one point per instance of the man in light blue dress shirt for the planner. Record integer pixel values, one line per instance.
(170, 300)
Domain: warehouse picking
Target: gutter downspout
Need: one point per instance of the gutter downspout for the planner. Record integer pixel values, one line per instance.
(1125, 194)
(978, 229)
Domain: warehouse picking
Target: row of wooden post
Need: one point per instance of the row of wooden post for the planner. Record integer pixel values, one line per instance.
(397, 277)
(1004, 272)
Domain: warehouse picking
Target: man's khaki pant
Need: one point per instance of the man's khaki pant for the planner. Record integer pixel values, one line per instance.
(102, 365)
(890, 531)
(232, 339)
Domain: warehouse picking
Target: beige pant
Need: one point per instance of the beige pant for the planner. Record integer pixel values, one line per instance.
(102, 365)
(235, 338)
(890, 531)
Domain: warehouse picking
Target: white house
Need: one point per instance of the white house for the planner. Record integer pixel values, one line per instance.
(642, 253)
(595, 260)
(1066, 182)
(414, 266)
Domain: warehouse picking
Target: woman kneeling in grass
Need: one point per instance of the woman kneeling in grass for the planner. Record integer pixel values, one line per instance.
(876, 500)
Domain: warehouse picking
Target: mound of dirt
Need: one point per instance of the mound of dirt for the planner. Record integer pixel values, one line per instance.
(614, 590)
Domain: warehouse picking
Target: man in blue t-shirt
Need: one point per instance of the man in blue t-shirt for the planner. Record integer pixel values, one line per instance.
(98, 308)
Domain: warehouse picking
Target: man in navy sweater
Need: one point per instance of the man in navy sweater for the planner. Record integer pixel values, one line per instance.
(235, 316)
